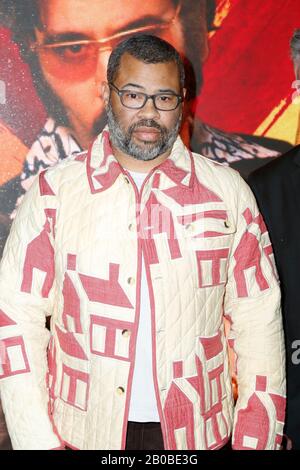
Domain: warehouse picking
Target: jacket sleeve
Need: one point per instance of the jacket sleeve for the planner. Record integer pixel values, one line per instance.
(252, 303)
(26, 293)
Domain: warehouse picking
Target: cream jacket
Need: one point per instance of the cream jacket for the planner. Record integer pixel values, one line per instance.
(74, 253)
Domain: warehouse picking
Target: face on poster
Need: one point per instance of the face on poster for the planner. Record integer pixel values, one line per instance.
(75, 72)
(69, 44)
(53, 60)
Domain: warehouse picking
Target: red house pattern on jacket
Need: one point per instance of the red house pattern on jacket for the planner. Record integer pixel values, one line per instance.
(253, 423)
(202, 393)
(193, 404)
(13, 357)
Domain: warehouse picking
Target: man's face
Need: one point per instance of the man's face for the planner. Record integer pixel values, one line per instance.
(75, 73)
(144, 133)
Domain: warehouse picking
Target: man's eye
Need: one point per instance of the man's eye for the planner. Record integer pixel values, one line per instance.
(131, 95)
(76, 48)
(166, 98)
(72, 51)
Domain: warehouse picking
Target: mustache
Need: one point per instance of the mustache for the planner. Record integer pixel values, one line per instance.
(101, 122)
(146, 123)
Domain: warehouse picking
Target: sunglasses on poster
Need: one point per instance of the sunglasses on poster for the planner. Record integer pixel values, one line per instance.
(77, 59)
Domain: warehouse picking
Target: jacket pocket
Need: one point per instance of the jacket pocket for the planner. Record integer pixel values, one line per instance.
(208, 241)
(211, 227)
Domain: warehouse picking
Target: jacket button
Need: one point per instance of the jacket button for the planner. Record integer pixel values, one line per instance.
(126, 333)
(227, 224)
(120, 390)
(131, 281)
(131, 227)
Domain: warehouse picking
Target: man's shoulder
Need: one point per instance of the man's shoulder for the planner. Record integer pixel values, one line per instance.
(279, 168)
(206, 166)
(232, 191)
(218, 177)
(70, 169)
(75, 160)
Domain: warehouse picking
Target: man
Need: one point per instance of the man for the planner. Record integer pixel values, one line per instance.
(67, 43)
(276, 187)
(137, 249)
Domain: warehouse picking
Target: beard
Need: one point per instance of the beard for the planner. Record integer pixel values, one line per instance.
(122, 139)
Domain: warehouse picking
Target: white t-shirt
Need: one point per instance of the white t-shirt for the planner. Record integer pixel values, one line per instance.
(143, 405)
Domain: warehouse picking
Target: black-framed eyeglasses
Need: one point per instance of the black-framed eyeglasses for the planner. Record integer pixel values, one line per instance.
(136, 100)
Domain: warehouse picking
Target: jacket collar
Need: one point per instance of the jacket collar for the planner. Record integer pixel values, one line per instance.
(103, 168)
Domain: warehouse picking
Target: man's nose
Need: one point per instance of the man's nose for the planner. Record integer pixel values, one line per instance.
(149, 110)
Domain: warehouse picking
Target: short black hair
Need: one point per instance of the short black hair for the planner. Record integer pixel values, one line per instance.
(148, 49)
(295, 45)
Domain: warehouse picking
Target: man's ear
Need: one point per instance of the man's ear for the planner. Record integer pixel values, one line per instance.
(105, 92)
(184, 92)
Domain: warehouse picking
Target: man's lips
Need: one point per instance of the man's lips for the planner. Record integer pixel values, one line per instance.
(146, 133)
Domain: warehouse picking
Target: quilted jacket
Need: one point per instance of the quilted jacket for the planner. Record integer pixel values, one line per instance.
(74, 253)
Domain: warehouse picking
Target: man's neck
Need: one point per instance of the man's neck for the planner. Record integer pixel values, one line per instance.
(140, 166)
